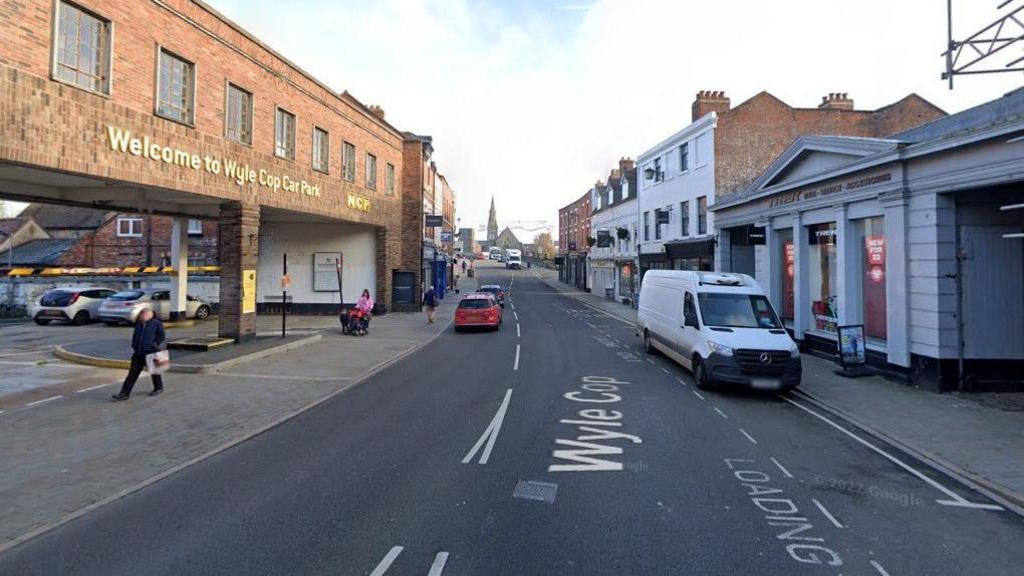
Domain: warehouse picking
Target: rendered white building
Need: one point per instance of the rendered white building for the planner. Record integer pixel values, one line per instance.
(613, 222)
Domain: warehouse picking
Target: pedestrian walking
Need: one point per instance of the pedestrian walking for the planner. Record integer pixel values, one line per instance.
(146, 338)
(463, 264)
(430, 301)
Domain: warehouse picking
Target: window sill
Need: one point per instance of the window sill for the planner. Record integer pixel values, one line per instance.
(77, 87)
(239, 142)
(319, 171)
(276, 155)
(190, 124)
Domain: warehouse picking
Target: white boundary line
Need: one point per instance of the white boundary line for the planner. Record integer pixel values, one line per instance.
(490, 434)
(749, 437)
(827, 514)
(720, 413)
(44, 400)
(386, 562)
(96, 387)
(699, 395)
(518, 334)
(438, 565)
(780, 467)
(955, 499)
(515, 366)
(878, 567)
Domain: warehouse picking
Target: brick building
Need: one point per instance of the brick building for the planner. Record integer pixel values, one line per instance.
(170, 109)
(574, 241)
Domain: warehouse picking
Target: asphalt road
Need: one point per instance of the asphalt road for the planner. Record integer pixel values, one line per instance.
(552, 446)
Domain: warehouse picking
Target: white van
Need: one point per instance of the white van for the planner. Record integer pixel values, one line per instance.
(513, 259)
(720, 326)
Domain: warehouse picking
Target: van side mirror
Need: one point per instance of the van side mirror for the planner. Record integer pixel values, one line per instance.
(690, 319)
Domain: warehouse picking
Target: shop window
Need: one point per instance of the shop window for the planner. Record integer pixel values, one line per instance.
(175, 89)
(348, 162)
(702, 215)
(82, 51)
(389, 175)
(284, 134)
(321, 150)
(238, 115)
(195, 227)
(371, 171)
(822, 276)
(870, 289)
(684, 218)
(787, 272)
(129, 227)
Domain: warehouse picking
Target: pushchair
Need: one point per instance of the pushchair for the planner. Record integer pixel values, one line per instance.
(354, 322)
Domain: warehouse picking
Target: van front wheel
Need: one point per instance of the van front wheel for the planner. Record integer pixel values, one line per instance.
(700, 374)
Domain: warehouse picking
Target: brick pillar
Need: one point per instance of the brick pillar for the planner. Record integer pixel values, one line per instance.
(388, 259)
(238, 243)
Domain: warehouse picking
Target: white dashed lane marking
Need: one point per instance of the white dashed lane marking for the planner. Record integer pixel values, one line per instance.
(749, 437)
(386, 562)
(720, 413)
(827, 514)
(781, 467)
(44, 400)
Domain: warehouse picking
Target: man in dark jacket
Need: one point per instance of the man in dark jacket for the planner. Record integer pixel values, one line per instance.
(430, 301)
(146, 339)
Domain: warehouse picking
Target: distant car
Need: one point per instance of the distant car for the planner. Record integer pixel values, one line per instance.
(77, 304)
(124, 307)
(479, 309)
(497, 291)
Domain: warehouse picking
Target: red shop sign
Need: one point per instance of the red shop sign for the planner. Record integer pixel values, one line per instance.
(874, 246)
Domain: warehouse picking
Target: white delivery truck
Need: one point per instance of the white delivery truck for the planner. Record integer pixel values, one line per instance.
(720, 326)
(513, 259)
(494, 253)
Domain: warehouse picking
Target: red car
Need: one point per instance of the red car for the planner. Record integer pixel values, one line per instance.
(478, 309)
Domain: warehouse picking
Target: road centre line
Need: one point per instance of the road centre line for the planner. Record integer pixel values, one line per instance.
(878, 567)
(490, 434)
(516, 315)
(517, 331)
(720, 413)
(515, 366)
(665, 370)
(780, 467)
(698, 394)
(96, 387)
(955, 499)
(44, 400)
(827, 514)
(651, 361)
(749, 437)
(386, 562)
(681, 381)
(438, 565)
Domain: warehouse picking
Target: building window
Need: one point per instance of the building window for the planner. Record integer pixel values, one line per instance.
(657, 224)
(684, 157)
(684, 218)
(321, 150)
(284, 134)
(238, 115)
(348, 162)
(371, 171)
(195, 227)
(658, 174)
(870, 290)
(129, 227)
(390, 178)
(702, 215)
(175, 88)
(647, 226)
(822, 282)
(82, 54)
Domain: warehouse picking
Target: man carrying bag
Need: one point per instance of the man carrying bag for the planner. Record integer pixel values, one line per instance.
(146, 354)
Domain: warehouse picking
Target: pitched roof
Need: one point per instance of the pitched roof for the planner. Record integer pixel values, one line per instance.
(56, 216)
(999, 111)
(41, 252)
(11, 225)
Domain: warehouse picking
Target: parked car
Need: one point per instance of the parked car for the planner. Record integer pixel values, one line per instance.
(76, 304)
(497, 291)
(720, 326)
(479, 309)
(125, 306)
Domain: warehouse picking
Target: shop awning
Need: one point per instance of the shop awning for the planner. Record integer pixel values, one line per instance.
(702, 248)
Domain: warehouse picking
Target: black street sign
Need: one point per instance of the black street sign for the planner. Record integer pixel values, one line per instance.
(434, 221)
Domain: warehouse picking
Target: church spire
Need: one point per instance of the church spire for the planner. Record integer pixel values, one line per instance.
(492, 223)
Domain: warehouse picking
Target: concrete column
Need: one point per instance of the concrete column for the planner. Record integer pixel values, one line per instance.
(179, 260)
(723, 252)
(801, 288)
(897, 293)
(239, 251)
(766, 265)
(847, 255)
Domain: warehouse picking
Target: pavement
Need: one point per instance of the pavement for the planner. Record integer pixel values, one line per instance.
(980, 438)
(68, 449)
(554, 445)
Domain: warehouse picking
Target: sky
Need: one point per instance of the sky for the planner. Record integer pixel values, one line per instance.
(532, 101)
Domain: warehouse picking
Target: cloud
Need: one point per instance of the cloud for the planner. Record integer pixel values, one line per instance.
(533, 104)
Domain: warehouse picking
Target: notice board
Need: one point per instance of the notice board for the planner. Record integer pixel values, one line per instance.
(325, 271)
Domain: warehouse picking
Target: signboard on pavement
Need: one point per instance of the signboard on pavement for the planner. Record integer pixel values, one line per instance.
(325, 273)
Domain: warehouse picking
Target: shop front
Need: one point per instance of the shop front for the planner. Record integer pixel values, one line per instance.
(864, 232)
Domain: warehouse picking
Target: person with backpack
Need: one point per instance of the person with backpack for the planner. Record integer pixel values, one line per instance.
(430, 301)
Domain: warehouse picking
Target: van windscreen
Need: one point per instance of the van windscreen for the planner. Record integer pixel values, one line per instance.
(737, 311)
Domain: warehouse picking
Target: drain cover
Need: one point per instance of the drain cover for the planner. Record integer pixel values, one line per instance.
(536, 490)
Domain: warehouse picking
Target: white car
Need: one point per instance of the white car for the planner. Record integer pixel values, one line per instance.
(721, 326)
(124, 307)
(75, 304)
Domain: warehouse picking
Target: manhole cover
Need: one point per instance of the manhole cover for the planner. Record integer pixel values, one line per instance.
(536, 490)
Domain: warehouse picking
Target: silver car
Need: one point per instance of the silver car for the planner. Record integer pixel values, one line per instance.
(76, 304)
(124, 307)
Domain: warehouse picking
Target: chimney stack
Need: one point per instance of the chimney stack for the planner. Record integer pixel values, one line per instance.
(709, 101)
(625, 165)
(836, 101)
(376, 111)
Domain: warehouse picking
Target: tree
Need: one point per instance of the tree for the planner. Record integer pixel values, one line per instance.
(545, 246)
